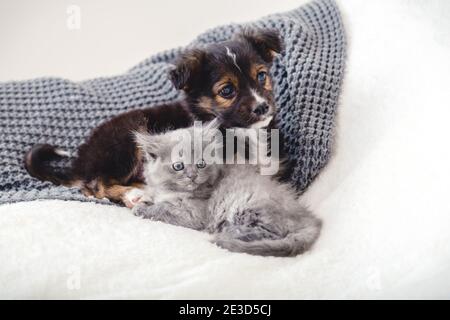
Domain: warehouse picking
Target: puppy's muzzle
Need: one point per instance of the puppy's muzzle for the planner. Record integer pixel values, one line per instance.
(261, 109)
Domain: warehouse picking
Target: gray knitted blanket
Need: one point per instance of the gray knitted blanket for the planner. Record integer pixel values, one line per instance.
(307, 79)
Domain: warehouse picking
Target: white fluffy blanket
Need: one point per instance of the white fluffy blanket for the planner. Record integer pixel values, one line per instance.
(383, 197)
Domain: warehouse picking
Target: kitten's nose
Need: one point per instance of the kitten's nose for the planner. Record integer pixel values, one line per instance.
(261, 109)
(191, 175)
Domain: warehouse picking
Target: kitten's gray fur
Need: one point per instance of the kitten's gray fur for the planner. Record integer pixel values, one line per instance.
(244, 210)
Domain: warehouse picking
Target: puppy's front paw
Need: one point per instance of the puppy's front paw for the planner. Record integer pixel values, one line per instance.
(132, 197)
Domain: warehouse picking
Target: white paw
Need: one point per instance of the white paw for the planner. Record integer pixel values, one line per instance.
(132, 197)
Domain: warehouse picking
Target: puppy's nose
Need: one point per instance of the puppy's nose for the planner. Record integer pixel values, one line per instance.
(261, 109)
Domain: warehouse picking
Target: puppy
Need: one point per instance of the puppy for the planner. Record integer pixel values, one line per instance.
(229, 80)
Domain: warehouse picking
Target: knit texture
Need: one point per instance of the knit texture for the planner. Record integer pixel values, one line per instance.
(307, 77)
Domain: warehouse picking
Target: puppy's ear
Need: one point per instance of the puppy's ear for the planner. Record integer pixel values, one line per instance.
(266, 42)
(186, 68)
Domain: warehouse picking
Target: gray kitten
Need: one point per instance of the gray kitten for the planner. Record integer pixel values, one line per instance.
(244, 210)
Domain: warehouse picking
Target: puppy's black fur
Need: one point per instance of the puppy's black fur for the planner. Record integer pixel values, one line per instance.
(229, 80)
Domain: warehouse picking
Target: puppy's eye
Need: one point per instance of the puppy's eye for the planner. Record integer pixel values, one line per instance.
(227, 91)
(261, 76)
(177, 166)
(201, 164)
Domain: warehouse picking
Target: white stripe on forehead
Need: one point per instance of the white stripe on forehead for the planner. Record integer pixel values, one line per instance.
(232, 55)
(257, 97)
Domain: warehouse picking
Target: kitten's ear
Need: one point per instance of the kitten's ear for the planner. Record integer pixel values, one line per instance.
(211, 131)
(188, 65)
(148, 144)
(213, 125)
(266, 42)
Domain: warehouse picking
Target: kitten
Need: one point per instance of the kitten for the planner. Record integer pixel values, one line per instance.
(244, 210)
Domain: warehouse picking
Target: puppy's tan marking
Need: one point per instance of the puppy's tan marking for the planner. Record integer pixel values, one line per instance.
(257, 68)
(119, 193)
(222, 102)
(205, 103)
(97, 187)
(114, 192)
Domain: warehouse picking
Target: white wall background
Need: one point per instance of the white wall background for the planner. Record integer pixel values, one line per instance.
(114, 35)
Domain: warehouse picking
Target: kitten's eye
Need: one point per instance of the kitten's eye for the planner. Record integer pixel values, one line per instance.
(177, 166)
(261, 76)
(201, 164)
(227, 91)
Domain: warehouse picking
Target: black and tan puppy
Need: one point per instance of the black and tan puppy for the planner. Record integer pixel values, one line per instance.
(228, 79)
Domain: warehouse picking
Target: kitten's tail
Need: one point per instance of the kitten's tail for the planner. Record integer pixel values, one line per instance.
(37, 160)
(292, 244)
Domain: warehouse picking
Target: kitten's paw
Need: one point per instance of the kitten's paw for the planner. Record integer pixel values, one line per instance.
(141, 210)
(132, 197)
